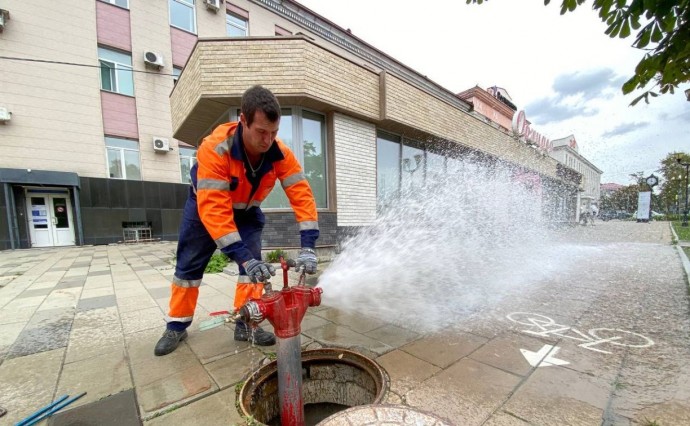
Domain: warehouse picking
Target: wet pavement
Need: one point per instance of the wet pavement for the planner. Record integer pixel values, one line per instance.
(603, 343)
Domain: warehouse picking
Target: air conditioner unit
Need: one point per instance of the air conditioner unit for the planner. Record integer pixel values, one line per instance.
(5, 115)
(4, 17)
(154, 59)
(161, 144)
(213, 5)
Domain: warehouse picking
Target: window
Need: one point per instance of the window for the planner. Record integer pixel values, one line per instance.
(122, 3)
(387, 168)
(280, 31)
(304, 132)
(236, 25)
(187, 160)
(412, 166)
(116, 71)
(176, 74)
(183, 15)
(123, 158)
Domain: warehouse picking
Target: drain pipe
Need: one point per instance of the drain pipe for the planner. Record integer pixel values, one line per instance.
(284, 310)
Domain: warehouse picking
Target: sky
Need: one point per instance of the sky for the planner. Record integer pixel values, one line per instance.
(563, 70)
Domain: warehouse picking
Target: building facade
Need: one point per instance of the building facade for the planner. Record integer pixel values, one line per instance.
(108, 108)
(566, 151)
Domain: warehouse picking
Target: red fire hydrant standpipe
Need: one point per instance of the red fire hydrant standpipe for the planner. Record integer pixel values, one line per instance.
(284, 310)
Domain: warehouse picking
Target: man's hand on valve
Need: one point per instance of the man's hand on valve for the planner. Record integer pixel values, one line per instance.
(307, 259)
(258, 270)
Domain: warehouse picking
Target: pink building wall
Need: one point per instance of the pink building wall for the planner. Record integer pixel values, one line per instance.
(491, 113)
(112, 25)
(119, 115)
(182, 46)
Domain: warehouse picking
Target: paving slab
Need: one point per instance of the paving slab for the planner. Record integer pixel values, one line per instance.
(445, 349)
(406, 371)
(117, 410)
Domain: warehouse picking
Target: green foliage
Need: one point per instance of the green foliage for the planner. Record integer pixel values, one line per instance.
(672, 195)
(664, 36)
(682, 231)
(274, 256)
(216, 264)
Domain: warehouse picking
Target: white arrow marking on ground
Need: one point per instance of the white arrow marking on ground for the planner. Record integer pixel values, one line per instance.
(541, 359)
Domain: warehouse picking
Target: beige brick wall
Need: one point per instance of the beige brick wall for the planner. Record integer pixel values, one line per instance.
(56, 108)
(152, 90)
(355, 170)
(286, 66)
(411, 106)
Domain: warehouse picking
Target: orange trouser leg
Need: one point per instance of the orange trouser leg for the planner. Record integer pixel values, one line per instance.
(246, 290)
(182, 303)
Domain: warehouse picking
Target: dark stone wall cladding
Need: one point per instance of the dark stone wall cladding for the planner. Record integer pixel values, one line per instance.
(106, 204)
(281, 230)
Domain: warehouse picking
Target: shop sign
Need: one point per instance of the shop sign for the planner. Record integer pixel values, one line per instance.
(527, 134)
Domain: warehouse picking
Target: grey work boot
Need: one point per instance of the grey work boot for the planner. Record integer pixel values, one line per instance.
(261, 337)
(169, 342)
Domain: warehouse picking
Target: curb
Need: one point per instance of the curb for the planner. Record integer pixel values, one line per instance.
(683, 257)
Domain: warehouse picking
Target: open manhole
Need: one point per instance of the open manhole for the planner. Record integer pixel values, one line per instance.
(332, 380)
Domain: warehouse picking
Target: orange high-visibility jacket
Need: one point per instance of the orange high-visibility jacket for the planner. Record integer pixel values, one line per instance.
(222, 184)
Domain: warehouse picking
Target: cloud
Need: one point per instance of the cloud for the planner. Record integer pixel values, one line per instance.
(554, 109)
(589, 84)
(575, 94)
(624, 128)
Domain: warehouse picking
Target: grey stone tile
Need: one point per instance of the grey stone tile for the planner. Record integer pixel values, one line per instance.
(80, 264)
(343, 337)
(116, 410)
(393, 335)
(70, 284)
(160, 293)
(32, 293)
(443, 350)
(46, 331)
(559, 396)
(28, 383)
(96, 303)
(216, 409)
(467, 392)
(99, 273)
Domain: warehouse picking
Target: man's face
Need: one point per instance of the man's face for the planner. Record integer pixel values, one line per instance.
(260, 135)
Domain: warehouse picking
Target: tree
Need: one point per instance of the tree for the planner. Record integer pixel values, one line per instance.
(672, 194)
(664, 36)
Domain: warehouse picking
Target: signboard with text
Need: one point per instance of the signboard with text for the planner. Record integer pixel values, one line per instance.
(644, 203)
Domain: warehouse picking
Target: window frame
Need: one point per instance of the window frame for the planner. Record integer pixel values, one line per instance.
(191, 158)
(228, 22)
(115, 3)
(122, 159)
(191, 4)
(298, 150)
(116, 66)
(176, 72)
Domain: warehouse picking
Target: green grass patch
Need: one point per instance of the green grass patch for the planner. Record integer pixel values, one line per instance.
(274, 256)
(682, 231)
(687, 251)
(216, 264)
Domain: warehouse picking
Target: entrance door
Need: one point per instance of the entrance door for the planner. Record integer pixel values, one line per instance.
(50, 222)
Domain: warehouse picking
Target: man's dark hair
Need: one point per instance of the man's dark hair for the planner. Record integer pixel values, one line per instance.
(260, 98)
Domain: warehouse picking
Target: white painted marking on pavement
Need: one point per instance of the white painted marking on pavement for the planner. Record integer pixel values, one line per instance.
(543, 358)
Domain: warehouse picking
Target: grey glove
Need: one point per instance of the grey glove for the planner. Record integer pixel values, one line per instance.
(258, 270)
(307, 258)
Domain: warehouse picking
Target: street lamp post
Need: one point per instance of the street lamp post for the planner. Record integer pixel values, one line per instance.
(685, 213)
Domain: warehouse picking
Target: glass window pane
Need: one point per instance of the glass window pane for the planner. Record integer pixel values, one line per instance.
(107, 76)
(111, 142)
(182, 15)
(412, 168)
(314, 144)
(387, 169)
(435, 167)
(277, 198)
(114, 163)
(114, 56)
(240, 22)
(125, 81)
(233, 31)
(122, 3)
(132, 165)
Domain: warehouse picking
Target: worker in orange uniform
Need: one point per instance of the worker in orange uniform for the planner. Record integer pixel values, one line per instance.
(237, 166)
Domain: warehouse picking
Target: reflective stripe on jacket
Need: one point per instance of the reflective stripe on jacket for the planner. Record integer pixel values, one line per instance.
(221, 183)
